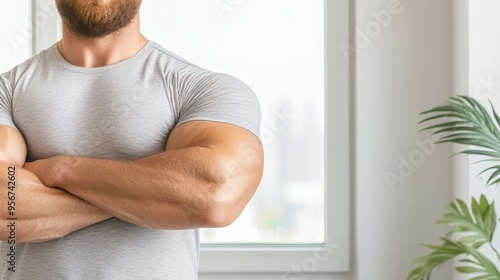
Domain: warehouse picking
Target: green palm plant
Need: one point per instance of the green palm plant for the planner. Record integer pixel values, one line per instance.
(465, 121)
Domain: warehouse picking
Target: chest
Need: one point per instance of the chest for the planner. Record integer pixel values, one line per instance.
(100, 117)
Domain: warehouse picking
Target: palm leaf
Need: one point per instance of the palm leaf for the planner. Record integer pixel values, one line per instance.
(495, 113)
(439, 116)
(481, 266)
(465, 121)
(477, 225)
(481, 222)
(440, 255)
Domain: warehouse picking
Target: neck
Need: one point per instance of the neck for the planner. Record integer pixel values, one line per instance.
(97, 52)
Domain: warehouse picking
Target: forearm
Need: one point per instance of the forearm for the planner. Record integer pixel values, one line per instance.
(171, 190)
(205, 178)
(42, 213)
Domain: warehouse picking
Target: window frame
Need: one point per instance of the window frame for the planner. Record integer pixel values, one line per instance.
(45, 24)
(334, 255)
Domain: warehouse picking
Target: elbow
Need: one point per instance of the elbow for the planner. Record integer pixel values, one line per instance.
(219, 202)
(228, 196)
(223, 208)
(219, 216)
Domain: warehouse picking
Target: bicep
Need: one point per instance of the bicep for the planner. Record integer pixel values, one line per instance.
(239, 148)
(13, 149)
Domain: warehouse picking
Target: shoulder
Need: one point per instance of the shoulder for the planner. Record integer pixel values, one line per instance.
(10, 78)
(187, 75)
(171, 57)
(199, 94)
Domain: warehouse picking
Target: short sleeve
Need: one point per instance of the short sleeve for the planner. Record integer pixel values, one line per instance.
(218, 97)
(6, 114)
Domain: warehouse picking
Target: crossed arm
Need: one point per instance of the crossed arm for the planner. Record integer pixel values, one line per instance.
(43, 213)
(206, 176)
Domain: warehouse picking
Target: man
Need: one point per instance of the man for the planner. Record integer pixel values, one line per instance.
(129, 149)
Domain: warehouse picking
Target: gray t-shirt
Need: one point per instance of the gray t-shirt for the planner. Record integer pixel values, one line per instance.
(123, 111)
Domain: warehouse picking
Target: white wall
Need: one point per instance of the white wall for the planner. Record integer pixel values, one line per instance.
(461, 87)
(405, 68)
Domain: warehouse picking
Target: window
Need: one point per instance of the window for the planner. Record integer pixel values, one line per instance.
(280, 54)
(278, 48)
(16, 30)
(289, 52)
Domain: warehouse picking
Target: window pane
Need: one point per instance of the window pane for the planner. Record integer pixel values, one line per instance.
(277, 48)
(15, 16)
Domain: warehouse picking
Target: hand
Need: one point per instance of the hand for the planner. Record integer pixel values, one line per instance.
(47, 170)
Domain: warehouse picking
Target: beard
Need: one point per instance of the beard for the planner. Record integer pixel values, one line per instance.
(97, 18)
